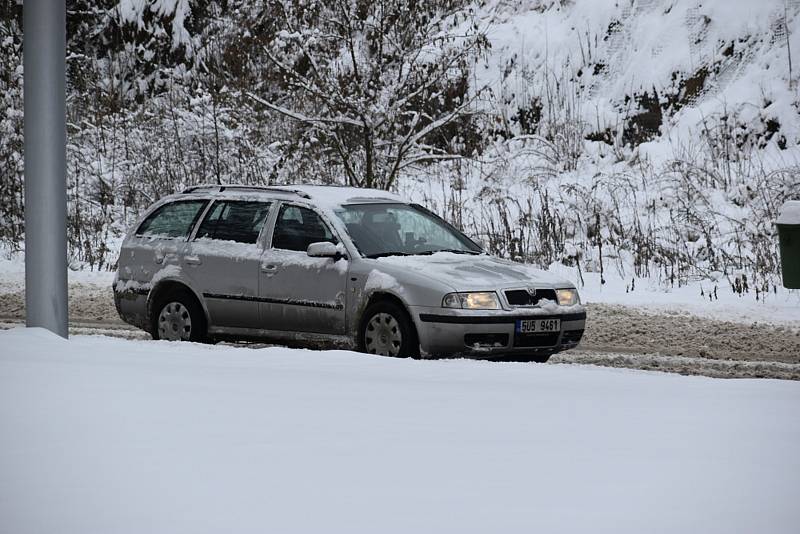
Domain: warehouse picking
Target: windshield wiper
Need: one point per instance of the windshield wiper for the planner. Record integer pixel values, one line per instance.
(386, 254)
(423, 253)
(452, 250)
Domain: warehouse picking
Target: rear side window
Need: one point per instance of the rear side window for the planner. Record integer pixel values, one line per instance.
(234, 220)
(172, 220)
(298, 227)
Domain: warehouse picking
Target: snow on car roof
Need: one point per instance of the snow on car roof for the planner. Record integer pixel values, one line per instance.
(325, 196)
(332, 196)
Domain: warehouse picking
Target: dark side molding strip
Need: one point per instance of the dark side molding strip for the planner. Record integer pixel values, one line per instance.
(291, 302)
(495, 319)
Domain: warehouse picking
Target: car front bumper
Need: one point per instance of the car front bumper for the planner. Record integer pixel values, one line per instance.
(482, 334)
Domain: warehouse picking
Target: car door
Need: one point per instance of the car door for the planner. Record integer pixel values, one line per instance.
(300, 293)
(223, 259)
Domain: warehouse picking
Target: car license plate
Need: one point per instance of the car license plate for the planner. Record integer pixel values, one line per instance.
(538, 326)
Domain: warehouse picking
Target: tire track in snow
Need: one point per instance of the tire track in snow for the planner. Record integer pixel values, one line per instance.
(583, 355)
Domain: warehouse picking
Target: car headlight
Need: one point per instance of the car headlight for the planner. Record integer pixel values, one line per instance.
(567, 297)
(483, 300)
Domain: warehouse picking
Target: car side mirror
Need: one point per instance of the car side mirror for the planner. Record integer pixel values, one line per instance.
(324, 249)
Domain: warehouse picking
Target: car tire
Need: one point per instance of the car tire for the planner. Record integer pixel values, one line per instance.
(386, 329)
(177, 316)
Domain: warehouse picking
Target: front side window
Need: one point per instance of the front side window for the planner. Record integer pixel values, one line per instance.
(298, 227)
(401, 230)
(234, 220)
(172, 220)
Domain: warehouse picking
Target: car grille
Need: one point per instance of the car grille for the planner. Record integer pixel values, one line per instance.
(536, 340)
(521, 297)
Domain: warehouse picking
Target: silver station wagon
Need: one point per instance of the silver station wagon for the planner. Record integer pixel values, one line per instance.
(334, 266)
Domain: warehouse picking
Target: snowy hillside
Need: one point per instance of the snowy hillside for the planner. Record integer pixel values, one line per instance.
(636, 139)
(648, 139)
(697, 60)
(103, 435)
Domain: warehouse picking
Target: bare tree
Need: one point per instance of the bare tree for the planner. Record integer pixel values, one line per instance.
(381, 85)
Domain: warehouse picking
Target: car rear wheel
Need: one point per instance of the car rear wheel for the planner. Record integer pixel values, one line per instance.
(178, 317)
(387, 330)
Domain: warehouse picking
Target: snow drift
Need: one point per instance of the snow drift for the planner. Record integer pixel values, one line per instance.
(103, 435)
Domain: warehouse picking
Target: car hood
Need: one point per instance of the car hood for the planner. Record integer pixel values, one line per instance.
(465, 272)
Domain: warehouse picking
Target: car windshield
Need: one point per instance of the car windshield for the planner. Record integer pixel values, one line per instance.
(381, 229)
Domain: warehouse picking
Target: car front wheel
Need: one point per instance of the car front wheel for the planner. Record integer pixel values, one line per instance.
(387, 330)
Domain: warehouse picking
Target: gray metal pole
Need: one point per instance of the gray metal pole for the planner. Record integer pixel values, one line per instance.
(44, 50)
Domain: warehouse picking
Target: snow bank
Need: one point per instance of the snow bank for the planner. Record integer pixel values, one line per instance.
(12, 274)
(711, 299)
(103, 435)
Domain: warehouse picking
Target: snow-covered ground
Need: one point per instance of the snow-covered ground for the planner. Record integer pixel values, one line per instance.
(12, 274)
(104, 435)
(695, 298)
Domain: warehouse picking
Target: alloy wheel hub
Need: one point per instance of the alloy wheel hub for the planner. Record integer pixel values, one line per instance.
(383, 335)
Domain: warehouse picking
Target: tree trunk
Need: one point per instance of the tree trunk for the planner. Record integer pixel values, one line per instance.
(369, 166)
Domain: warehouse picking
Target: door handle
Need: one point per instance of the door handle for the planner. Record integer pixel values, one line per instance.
(192, 260)
(269, 268)
(159, 258)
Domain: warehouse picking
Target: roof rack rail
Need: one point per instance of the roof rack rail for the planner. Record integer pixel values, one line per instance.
(216, 188)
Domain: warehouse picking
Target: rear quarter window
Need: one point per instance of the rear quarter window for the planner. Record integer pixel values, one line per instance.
(173, 220)
(234, 220)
